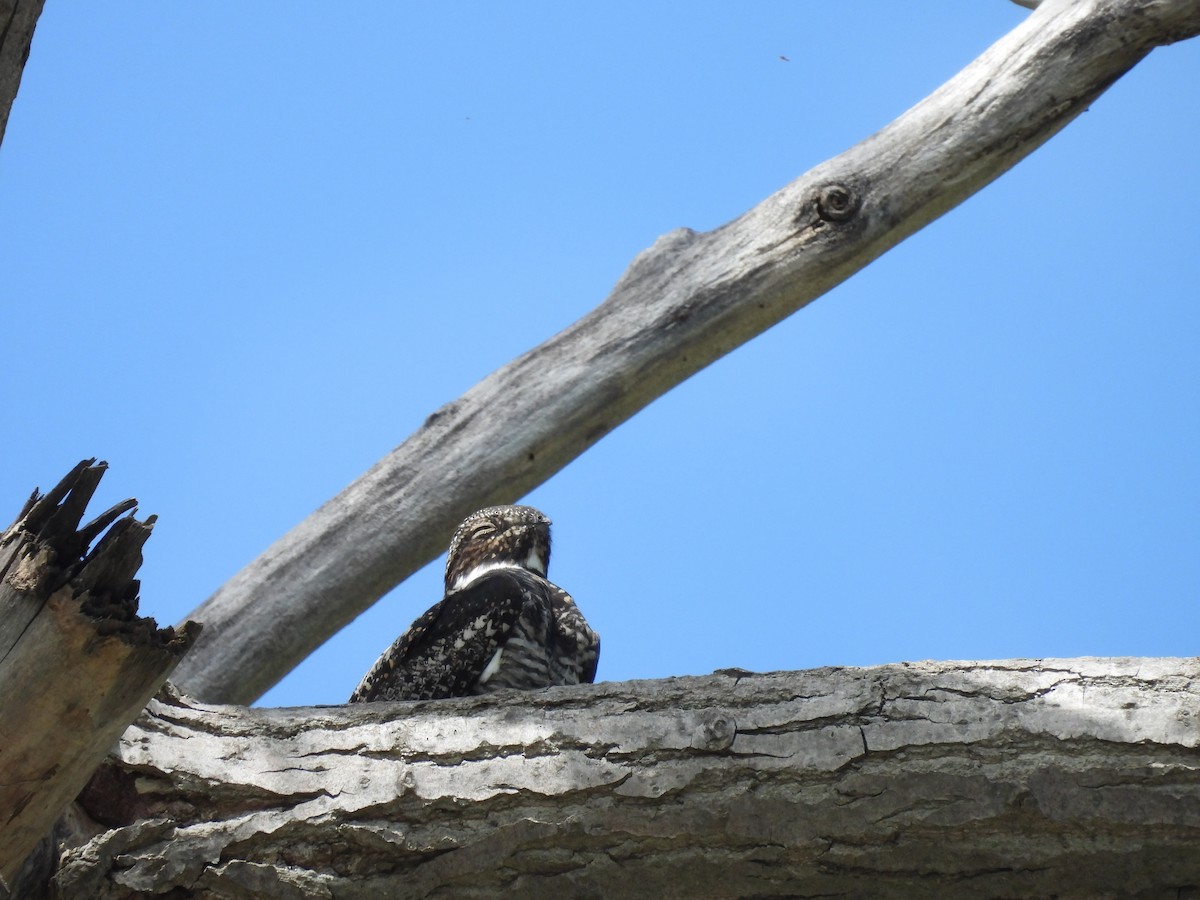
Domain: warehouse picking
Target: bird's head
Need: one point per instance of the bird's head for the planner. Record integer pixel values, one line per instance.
(496, 537)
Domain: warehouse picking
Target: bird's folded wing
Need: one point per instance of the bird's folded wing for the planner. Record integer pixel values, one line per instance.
(443, 653)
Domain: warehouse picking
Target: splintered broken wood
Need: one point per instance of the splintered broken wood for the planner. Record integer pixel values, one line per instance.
(77, 664)
(1020, 778)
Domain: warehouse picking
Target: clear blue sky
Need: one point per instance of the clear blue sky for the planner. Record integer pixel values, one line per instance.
(246, 249)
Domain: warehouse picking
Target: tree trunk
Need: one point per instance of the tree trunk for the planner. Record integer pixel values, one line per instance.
(77, 665)
(683, 303)
(18, 18)
(1065, 778)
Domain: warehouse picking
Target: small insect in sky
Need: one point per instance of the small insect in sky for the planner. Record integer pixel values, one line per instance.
(784, 58)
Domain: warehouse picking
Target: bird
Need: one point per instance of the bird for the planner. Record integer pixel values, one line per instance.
(501, 623)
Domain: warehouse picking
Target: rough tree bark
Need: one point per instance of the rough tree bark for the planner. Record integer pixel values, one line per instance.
(683, 303)
(77, 664)
(1052, 778)
(18, 19)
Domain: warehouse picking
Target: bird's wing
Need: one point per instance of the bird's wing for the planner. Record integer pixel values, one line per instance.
(443, 653)
(589, 670)
(576, 647)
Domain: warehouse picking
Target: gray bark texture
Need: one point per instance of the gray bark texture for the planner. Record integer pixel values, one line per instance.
(77, 664)
(686, 301)
(18, 19)
(1075, 778)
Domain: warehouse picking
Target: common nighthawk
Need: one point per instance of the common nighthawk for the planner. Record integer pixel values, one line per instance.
(501, 624)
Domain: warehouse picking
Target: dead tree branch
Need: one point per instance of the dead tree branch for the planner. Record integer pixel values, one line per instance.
(683, 303)
(18, 18)
(1068, 778)
(77, 664)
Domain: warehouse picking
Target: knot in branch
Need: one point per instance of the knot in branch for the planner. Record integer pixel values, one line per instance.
(836, 203)
(716, 732)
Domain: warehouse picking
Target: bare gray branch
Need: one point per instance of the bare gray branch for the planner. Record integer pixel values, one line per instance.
(683, 303)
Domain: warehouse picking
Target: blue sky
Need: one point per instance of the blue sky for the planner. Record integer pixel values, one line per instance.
(247, 249)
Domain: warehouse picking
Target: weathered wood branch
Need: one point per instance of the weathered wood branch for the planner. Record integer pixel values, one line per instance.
(77, 664)
(1067, 778)
(18, 19)
(683, 303)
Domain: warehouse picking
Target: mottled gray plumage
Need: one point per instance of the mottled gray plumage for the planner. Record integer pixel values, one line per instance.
(501, 623)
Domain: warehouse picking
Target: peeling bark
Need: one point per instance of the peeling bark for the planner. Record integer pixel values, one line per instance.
(77, 664)
(1066, 778)
(684, 302)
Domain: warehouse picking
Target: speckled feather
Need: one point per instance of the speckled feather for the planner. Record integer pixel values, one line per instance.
(500, 625)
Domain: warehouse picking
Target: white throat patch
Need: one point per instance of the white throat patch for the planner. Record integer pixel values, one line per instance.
(482, 569)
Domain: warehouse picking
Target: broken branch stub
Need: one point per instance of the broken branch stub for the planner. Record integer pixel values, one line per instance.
(77, 664)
